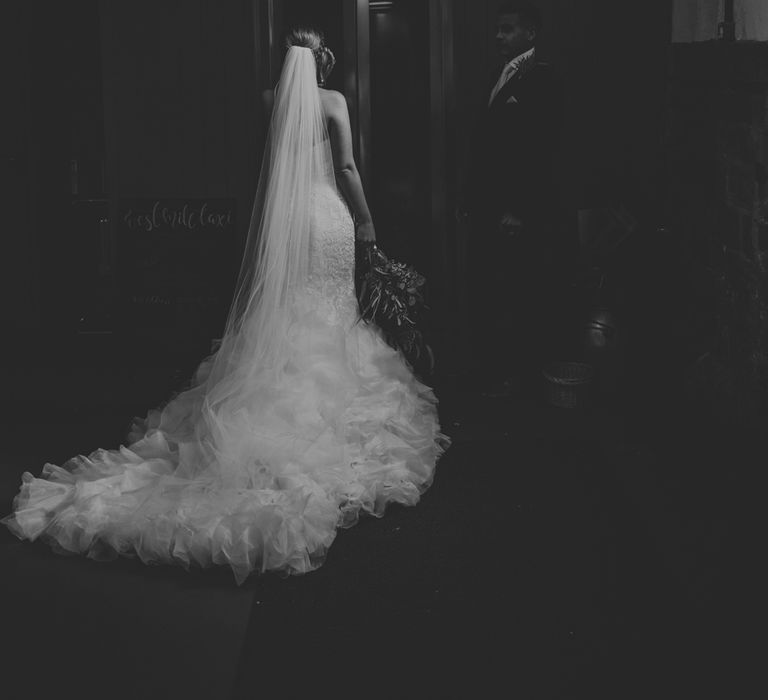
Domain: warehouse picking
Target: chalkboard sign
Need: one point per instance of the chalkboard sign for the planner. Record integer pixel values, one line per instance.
(175, 263)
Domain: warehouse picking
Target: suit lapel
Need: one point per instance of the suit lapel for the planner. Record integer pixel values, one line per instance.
(512, 84)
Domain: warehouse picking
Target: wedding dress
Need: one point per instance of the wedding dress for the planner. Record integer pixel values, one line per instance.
(259, 462)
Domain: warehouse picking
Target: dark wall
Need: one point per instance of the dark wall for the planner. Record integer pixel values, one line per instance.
(717, 204)
(400, 131)
(181, 104)
(52, 122)
(179, 97)
(18, 274)
(146, 99)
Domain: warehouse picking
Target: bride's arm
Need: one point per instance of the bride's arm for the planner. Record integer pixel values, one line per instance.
(347, 175)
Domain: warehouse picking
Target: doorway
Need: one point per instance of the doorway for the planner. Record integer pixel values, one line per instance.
(394, 66)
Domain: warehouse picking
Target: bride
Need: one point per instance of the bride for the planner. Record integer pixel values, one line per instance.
(300, 420)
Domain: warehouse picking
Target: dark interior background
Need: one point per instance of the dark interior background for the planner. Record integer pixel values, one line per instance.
(620, 530)
(109, 103)
(160, 99)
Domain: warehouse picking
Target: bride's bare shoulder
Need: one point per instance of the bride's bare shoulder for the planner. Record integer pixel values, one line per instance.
(334, 103)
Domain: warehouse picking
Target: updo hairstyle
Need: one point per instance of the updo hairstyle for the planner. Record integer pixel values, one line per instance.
(313, 39)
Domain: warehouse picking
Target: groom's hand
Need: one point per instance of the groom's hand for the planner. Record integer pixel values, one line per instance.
(366, 232)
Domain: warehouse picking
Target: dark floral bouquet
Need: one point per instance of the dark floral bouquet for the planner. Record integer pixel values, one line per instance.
(391, 295)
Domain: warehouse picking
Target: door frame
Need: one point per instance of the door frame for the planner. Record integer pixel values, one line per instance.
(357, 74)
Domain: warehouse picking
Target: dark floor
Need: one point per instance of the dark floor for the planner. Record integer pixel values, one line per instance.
(559, 554)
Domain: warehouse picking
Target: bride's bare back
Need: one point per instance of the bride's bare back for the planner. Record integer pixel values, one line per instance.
(336, 113)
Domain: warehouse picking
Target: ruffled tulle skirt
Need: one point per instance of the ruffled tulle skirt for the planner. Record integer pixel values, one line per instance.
(343, 428)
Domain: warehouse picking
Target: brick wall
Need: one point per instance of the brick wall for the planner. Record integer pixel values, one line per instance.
(716, 164)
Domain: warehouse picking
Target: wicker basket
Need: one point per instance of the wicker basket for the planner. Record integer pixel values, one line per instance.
(568, 383)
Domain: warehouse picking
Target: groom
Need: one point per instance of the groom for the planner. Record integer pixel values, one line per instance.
(517, 214)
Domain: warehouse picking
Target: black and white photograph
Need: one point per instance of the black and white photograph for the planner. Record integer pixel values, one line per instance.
(382, 348)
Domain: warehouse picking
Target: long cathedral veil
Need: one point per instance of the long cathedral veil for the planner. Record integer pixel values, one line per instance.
(289, 430)
(209, 419)
(275, 260)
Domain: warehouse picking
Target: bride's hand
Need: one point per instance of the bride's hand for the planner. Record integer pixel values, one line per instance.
(366, 233)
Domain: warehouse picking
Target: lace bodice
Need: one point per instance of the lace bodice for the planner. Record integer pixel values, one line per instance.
(332, 256)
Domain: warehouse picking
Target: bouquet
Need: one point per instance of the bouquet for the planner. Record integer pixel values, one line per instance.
(391, 295)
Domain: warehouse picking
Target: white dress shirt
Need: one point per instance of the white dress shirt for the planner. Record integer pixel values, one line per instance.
(509, 70)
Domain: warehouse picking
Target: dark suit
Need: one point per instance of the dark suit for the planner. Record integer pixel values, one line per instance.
(515, 278)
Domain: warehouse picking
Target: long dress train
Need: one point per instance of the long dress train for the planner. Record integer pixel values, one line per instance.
(343, 427)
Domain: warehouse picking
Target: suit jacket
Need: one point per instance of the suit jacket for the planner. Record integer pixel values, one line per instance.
(518, 138)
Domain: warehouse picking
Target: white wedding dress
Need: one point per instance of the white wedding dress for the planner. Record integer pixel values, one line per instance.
(344, 427)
